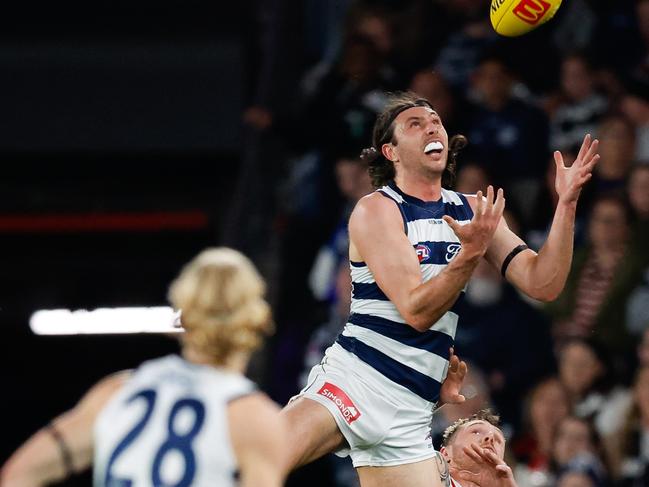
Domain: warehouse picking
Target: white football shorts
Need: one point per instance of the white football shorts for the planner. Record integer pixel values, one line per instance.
(384, 423)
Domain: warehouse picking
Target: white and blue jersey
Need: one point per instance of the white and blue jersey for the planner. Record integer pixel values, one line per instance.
(376, 332)
(169, 425)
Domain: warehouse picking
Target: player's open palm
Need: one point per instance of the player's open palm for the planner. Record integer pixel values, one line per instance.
(570, 180)
(476, 235)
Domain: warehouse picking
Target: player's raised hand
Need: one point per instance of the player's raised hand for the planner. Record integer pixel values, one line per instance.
(450, 391)
(476, 235)
(492, 471)
(570, 180)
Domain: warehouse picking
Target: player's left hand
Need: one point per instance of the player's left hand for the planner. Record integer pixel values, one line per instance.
(570, 180)
(492, 471)
(450, 391)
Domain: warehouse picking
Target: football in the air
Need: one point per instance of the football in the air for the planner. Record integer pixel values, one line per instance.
(513, 18)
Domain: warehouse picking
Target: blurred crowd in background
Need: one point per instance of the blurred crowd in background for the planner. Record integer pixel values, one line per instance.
(570, 379)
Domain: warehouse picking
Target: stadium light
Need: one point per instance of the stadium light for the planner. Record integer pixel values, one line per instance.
(158, 319)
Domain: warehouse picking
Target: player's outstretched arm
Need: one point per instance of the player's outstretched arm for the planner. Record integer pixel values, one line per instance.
(63, 447)
(377, 236)
(258, 435)
(542, 276)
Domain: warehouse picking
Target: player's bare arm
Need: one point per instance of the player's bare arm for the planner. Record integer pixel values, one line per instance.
(377, 237)
(63, 447)
(258, 437)
(542, 276)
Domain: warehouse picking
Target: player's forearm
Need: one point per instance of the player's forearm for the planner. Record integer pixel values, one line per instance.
(429, 301)
(549, 270)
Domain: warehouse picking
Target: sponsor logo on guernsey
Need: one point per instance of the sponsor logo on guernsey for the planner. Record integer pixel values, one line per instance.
(531, 11)
(341, 400)
(423, 252)
(451, 251)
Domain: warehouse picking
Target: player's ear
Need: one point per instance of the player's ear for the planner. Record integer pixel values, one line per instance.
(445, 453)
(388, 152)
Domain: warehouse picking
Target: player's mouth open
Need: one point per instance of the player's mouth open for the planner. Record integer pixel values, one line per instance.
(436, 146)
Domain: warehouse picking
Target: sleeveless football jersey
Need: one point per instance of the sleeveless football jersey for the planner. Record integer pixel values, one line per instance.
(376, 332)
(168, 426)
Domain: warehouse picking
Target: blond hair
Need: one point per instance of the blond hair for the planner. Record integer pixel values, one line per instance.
(483, 415)
(221, 294)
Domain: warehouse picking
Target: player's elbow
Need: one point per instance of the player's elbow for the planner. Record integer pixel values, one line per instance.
(545, 294)
(418, 321)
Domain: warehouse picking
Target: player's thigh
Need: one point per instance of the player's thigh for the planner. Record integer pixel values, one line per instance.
(313, 432)
(418, 474)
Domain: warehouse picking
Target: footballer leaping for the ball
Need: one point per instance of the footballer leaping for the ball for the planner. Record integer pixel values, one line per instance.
(372, 396)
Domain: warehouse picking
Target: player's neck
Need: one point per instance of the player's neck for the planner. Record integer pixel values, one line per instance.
(421, 187)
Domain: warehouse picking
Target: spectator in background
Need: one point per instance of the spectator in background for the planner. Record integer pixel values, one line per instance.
(376, 23)
(546, 405)
(602, 275)
(617, 136)
(634, 104)
(577, 443)
(506, 134)
(433, 87)
(578, 107)
(578, 476)
(471, 178)
(637, 307)
(462, 50)
(575, 26)
(341, 105)
(585, 372)
(641, 68)
(638, 190)
(629, 448)
(643, 349)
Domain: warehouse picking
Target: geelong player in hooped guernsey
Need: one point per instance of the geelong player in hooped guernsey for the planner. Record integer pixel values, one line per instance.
(376, 332)
(413, 247)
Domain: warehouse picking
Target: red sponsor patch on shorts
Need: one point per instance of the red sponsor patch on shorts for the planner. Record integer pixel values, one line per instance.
(341, 400)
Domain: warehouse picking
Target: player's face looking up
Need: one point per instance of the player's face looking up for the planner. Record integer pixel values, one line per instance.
(480, 432)
(419, 143)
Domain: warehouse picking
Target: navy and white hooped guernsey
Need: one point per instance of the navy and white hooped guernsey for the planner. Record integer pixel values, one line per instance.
(376, 332)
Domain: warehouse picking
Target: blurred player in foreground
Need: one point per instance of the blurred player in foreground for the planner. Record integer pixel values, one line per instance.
(474, 449)
(413, 247)
(194, 420)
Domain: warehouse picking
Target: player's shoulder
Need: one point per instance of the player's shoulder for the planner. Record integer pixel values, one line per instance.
(375, 205)
(100, 393)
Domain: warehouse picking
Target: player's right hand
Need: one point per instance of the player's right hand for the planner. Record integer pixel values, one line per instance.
(476, 235)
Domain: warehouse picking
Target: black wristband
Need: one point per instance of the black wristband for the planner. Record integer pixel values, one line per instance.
(510, 256)
(66, 455)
